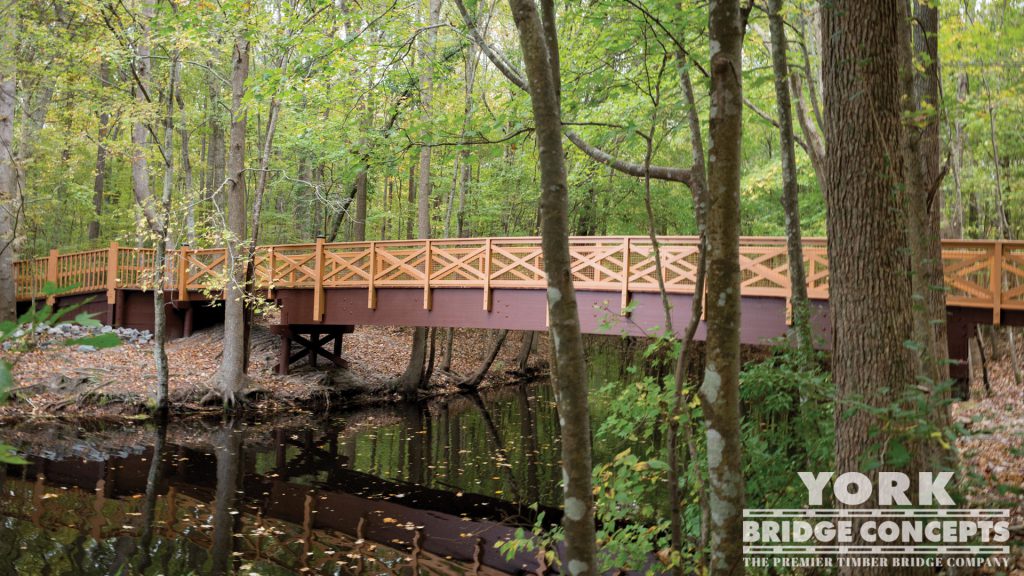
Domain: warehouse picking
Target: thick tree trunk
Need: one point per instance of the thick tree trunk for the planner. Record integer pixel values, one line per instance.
(867, 226)
(10, 204)
(569, 370)
(231, 378)
(799, 304)
(719, 392)
(100, 176)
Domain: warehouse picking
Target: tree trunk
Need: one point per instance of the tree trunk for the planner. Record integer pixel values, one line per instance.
(140, 166)
(231, 378)
(569, 369)
(10, 199)
(477, 377)
(359, 227)
(100, 178)
(922, 175)
(680, 416)
(414, 376)
(719, 392)
(790, 191)
(523, 359)
(215, 152)
(164, 214)
(186, 170)
(867, 226)
(257, 212)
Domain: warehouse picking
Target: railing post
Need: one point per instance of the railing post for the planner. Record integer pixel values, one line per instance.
(487, 275)
(51, 274)
(371, 297)
(112, 253)
(318, 291)
(271, 272)
(427, 296)
(627, 251)
(996, 282)
(183, 272)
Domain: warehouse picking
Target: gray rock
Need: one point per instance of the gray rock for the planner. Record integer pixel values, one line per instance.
(86, 348)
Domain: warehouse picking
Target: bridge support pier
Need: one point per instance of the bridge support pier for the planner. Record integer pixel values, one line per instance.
(312, 338)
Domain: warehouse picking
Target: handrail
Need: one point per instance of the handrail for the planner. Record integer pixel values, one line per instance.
(985, 274)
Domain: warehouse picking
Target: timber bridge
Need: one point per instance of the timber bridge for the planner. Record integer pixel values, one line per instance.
(324, 289)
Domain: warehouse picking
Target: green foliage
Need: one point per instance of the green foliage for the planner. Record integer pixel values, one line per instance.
(788, 426)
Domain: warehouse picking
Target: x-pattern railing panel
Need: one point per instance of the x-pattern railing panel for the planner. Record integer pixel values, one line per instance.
(204, 269)
(400, 264)
(346, 265)
(968, 274)
(295, 266)
(458, 263)
(1013, 277)
(517, 264)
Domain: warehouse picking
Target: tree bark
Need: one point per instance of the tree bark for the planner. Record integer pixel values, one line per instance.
(719, 392)
(799, 303)
(569, 370)
(359, 224)
(231, 378)
(867, 225)
(100, 176)
(10, 198)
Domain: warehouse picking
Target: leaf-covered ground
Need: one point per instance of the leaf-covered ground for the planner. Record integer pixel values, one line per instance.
(992, 453)
(58, 380)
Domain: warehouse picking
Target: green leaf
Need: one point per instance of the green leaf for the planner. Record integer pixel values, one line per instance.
(6, 380)
(86, 319)
(108, 340)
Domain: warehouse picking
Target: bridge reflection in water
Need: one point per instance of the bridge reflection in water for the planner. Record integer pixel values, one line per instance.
(381, 491)
(325, 288)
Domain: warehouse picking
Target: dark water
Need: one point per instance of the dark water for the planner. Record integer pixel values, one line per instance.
(406, 489)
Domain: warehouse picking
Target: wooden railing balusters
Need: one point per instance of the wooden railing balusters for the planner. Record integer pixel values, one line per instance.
(51, 273)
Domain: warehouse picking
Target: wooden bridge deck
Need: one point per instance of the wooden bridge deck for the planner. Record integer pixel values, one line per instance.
(499, 283)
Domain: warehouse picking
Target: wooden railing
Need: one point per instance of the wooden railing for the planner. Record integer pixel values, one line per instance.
(979, 273)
